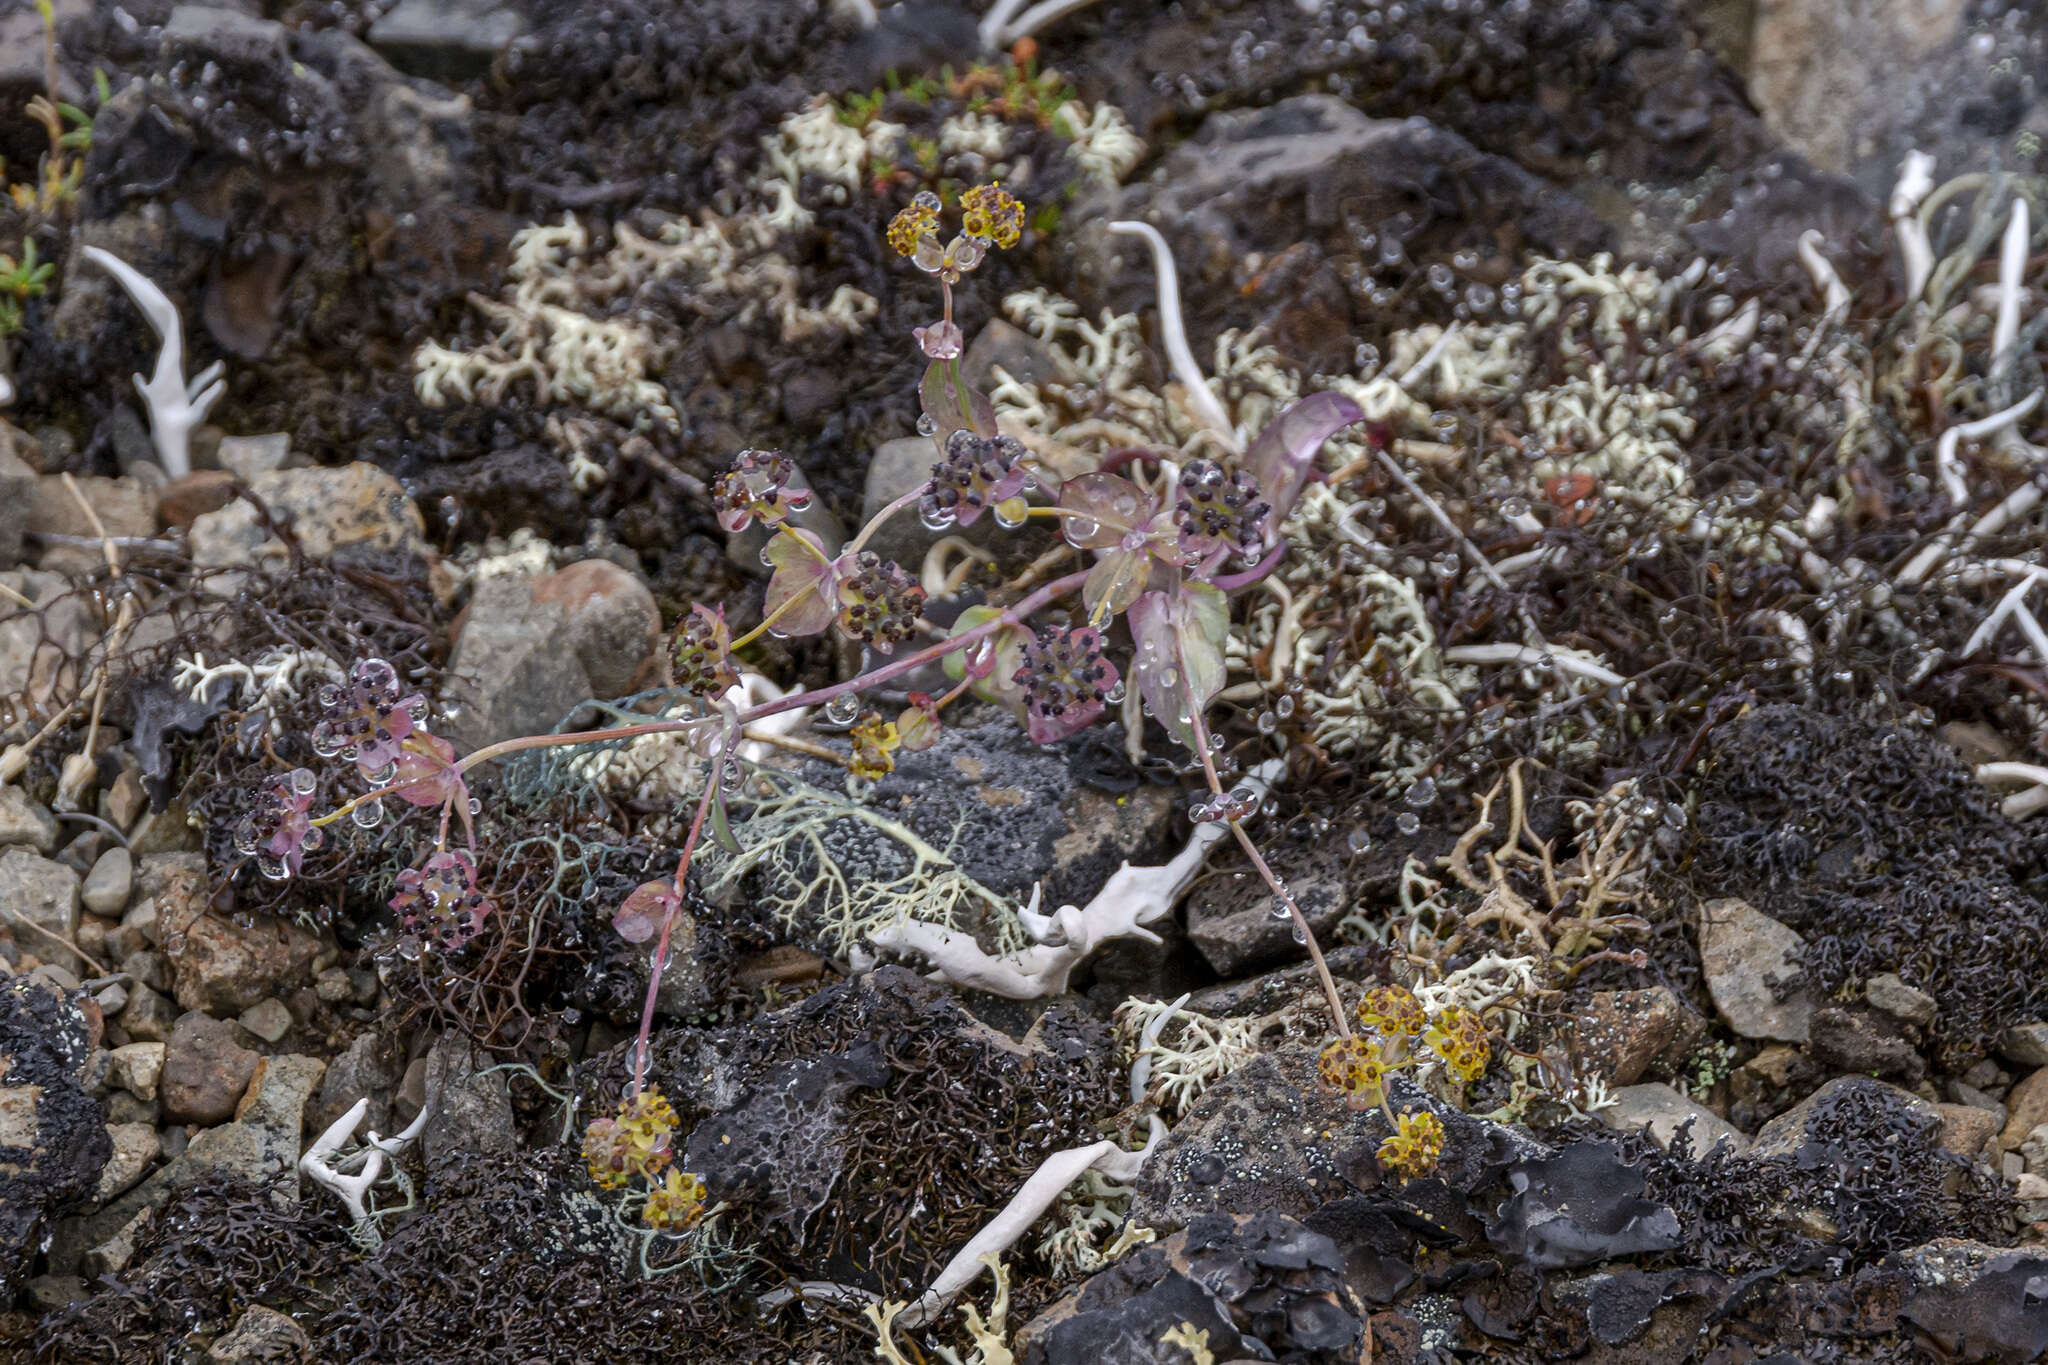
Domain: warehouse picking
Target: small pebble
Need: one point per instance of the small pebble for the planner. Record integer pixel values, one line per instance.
(113, 999)
(333, 986)
(269, 1019)
(108, 884)
(50, 971)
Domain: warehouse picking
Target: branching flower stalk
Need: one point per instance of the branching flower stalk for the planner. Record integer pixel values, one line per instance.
(1167, 549)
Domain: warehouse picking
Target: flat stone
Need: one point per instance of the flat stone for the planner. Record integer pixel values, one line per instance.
(2026, 1106)
(261, 1336)
(1664, 1111)
(269, 1019)
(1788, 1132)
(1619, 1033)
(1965, 1128)
(39, 650)
(511, 670)
(125, 507)
(25, 822)
(372, 1069)
(333, 986)
(247, 457)
(2025, 1044)
(108, 884)
(220, 965)
(149, 1015)
(1742, 951)
(1907, 1004)
(136, 1145)
(42, 894)
(205, 1071)
(472, 1111)
(447, 40)
(135, 1068)
(350, 511)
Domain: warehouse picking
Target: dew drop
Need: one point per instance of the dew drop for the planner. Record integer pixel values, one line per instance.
(925, 425)
(1408, 822)
(476, 806)
(1115, 695)
(1010, 512)
(316, 838)
(1422, 793)
(935, 518)
(1268, 722)
(1358, 840)
(304, 780)
(369, 815)
(1298, 935)
(272, 869)
(843, 709)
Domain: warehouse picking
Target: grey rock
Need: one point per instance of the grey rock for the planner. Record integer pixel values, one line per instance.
(333, 986)
(1793, 1129)
(123, 1107)
(219, 965)
(1231, 922)
(17, 481)
(51, 1292)
(472, 1112)
(347, 512)
(136, 1068)
(1742, 953)
(1965, 1093)
(1976, 1301)
(447, 40)
(145, 920)
(261, 1336)
(124, 507)
(146, 968)
(136, 1145)
(371, 1069)
(509, 670)
(25, 822)
(206, 1071)
(269, 1019)
(613, 626)
(39, 649)
(21, 52)
(61, 977)
(1664, 1111)
(51, 1127)
(2025, 1044)
(111, 999)
(149, 1015)
(213, 33)
(108, 884)
(2034, 1150)
(1907, 1004)
(897, 467)
(246, 457)
(44, 896)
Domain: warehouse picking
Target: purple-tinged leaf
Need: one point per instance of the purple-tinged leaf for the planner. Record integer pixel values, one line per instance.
(803, 580)
(1106, 508)
(1283, 455)
(643, 913)
(1180, 667)
(952, 405)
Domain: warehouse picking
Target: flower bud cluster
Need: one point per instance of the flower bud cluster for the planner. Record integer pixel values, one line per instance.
(976, 473)
(878, 601)
(438, 901)
(367, 720)
(1219, 510)
(757, 488)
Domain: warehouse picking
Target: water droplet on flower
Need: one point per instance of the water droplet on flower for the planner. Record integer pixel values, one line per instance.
(378, 777)
(1268, 722)
(1010, 512)
(1422, 792)
(1358, 840)
(1407, 822)
(843, 709)
(1284, 707)
(476, 806)
(304, 780)
(1169, 676)
(1115, 695)
(925, 425)
(329, 696)
(935, 518)
(272, 869)
(316, 838)
(369, 815)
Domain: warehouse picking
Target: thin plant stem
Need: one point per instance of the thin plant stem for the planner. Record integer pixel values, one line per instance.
(1200, 730)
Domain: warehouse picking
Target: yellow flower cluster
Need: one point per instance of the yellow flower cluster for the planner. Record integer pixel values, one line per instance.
(1417, 1142)
(918, 220)
(992, 214)
(1459, 1037)
(874, 747)
(676, 1204)
(1392, 1012)
(636, 1143)
(1354, 1068)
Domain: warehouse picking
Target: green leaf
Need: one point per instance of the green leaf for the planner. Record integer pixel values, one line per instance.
(952, 405)
(995, 662)
(719, 822)
(802, 588)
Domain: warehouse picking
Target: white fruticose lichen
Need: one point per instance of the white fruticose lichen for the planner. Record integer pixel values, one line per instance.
(175, 406)
(1103, 141)
(556, 328)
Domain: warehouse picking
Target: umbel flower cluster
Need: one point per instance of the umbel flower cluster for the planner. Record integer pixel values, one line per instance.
(635, 1146)
(1158, 539)
(1357, 1066)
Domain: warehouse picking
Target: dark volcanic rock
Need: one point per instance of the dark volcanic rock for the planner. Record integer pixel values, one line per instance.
(53, 1140)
